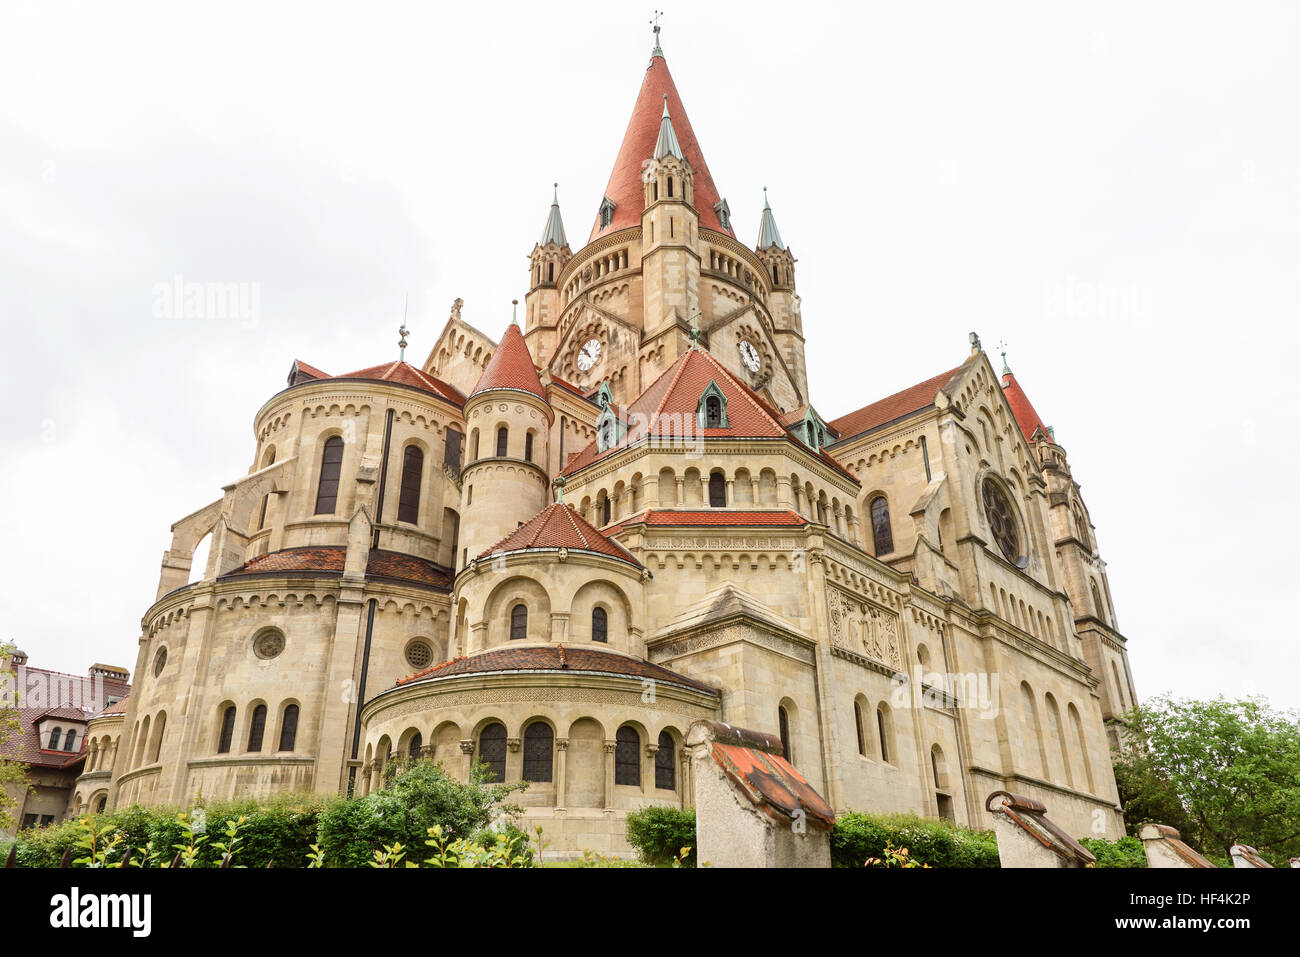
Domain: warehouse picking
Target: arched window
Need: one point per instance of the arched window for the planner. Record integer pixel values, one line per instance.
(1096, 600)
(550, 272)
(519, 622)
(413, 749)
(408, 503)
(503, 440)
(1002, 521)
(655, 192)
(775, 277)
(257, 728)
(783, 720)
(473, 446)
(627, 757)
(227, 730)
(158, 729)
(862, 734)
(528, 447)
(70, 741)
(55, 737)
(289, 727)
(492, 750)
(666, 763)
(717, 489)
(882, 535)
(599, 625)
(538, 742)
(605, 511)
(331, 463)
(886, 735)
(713, 412)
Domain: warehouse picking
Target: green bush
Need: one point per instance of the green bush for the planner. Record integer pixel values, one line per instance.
(938, 843)
(1126, 852)
(420, 796)
(659, 834)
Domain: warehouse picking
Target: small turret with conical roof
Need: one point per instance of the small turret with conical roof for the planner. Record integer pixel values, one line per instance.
(787, 322)
(504, 481)
(546, 262)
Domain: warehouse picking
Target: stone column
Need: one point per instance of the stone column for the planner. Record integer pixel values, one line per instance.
(731, 491)
(681, 487)
(648, 779)
(753, 484)
(561, 773)
(467, 749)
(609, 774)
(684, 779)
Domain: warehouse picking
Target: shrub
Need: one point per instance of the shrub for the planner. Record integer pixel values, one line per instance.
(660, 833)
(937, 843)
(419, 796)
(1126, 852)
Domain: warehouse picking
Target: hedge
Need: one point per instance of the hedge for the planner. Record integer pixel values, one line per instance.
(938, 843)
(1125, 852)
(659, 834)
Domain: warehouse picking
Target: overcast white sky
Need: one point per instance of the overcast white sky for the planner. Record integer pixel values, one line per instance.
(1111, 188)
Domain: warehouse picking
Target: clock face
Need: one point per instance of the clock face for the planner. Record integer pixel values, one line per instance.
(749, 355)
(588, 354)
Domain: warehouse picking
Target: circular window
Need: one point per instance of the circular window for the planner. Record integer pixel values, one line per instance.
(1001, 520)
(159, 662)
(419, 654)
(268, 644)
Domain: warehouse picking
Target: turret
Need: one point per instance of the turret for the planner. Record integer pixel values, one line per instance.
(542, 304)
(670, 265)
(783, 303)
(504, 481)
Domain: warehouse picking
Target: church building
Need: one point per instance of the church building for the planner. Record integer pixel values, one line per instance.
(550, 549)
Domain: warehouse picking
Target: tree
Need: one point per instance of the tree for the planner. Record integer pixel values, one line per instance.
(11, 771)
(1220, 771)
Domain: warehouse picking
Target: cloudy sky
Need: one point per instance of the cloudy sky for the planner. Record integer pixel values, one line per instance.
(1111, 189)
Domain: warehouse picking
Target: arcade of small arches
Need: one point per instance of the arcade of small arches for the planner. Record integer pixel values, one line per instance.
(568, 762)
(252, 737)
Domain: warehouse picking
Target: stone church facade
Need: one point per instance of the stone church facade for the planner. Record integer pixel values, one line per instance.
(552, 552)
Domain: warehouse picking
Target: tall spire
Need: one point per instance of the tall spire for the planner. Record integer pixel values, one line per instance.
(554, 230)
(666, 145)
(626, 191)
(768, 234)
(657, 51)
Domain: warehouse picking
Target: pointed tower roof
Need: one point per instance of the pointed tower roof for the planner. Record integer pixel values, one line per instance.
(768, 234)
(554, 230)
(1029, 421)
(625, 188)
(559, 526)
(511, 367)
(666, 145)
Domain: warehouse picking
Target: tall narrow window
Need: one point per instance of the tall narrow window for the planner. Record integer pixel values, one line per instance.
(519, 622)
(539, 740)
(451, 450)
(717, 490)
(492, 750)
(783, 721)
(227, 730)
(70, 740)
(550, 272)
(605, 511)
(881, 534)
(503, 438)
(331, 463)
(599, 625)
(55, 737)
(257, 728)
(408, 504)
(666, 763)
(713, 412)
(289, 728)
(670, 187)
(417, 744)
(528, 447)
(862, 734)
(627, 757)
(886, 744)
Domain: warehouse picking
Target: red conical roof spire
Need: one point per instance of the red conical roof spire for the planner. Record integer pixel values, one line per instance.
(625, 188)
(511, 367)
(1029, 421)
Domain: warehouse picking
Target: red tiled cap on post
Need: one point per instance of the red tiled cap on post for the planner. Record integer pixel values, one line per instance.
(559, 526)
(511, 367)
(626, 190)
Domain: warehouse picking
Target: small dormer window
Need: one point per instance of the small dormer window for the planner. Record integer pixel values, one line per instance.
(711, 413)
(607, 432)
(724, 213)
(606, 212)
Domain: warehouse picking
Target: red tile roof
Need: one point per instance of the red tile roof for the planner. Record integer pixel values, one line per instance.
(401, 373)
(625, 186)
(511, 367)
(753, 761)
(1028, 420)
(25, 744)
(328, 561)
(559, 526)
(892, 408)
(555, 658)
(715, 517)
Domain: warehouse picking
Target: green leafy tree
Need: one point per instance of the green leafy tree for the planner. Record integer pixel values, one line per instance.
(11, 771)
(1220, 771)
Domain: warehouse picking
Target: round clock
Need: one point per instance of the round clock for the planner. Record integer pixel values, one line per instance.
(749, 355)
(588, 354)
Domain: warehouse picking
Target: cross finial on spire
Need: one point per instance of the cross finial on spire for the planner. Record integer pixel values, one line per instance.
(654, 22)
(558, 482)
(695, 329)
(1002, 349)
(403, 332)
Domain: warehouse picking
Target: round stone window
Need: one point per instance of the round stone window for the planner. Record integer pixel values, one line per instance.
(268, 644)
(159, 662)
(419, 654)
(1001, 520)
